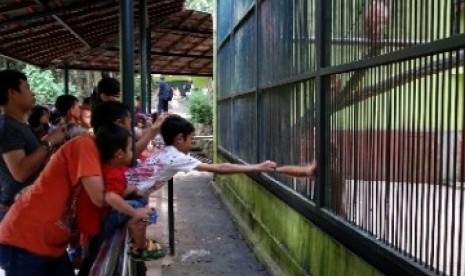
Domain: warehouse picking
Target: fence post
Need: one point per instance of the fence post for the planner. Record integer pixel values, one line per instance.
(171, 216)
(323, 59)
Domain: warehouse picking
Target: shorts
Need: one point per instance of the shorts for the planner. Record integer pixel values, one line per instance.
(116, 220)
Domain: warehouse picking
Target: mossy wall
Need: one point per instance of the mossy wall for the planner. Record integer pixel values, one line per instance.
(284, 240)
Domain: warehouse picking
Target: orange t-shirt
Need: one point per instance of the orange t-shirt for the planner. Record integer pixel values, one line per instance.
(40, 220)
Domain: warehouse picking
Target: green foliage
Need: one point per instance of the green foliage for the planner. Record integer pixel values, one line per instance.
(44, 85)
(200, 5)
(200, 108)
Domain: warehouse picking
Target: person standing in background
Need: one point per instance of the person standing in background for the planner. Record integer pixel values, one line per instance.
(165, 94)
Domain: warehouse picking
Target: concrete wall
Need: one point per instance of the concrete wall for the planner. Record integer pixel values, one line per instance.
(284, 240)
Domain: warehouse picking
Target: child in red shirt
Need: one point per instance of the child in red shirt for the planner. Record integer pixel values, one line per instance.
(115, 147)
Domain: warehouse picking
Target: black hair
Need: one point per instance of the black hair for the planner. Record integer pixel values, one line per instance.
(64, 103)
(109, 139)
(107, 113)
(86, 101)
(36, 114)
(174, 125)
(9, 79)
(109, 87)
(55, 118)
(95, 99)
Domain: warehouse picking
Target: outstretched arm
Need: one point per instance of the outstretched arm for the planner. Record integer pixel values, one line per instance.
(298, 171)
(226, 168)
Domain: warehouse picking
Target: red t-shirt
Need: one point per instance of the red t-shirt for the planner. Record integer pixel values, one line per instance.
(114, 179)
(88, 216)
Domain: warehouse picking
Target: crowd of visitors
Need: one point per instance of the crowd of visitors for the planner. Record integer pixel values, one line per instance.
(68, 183)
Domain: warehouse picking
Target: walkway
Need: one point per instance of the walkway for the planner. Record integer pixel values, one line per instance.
(207, 242)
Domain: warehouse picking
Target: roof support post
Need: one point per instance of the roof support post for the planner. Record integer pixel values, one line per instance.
(66, 79)
(143, 54)
(149, 68)
(126, 53)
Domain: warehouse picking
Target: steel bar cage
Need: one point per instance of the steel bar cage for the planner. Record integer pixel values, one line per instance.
(375, 91)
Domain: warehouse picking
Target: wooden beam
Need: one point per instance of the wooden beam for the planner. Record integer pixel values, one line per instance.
(64, 24)
(184, 31)
(48, 57)
(168, 54)
(8, 41)
(16, 6)
(39, 49)
(115, 68)
(100, 19)
(198, 44)
(207, 18)
(26, 42)
(179, 26)
(84, 16)
(75, 6)
(189, 64)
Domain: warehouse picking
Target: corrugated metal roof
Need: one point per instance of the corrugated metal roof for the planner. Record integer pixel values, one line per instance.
(83, 34)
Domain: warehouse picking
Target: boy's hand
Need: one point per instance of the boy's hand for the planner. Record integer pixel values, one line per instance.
(141, 213)
(140, 193)
(312, 169)
(57, 136)
(267, 166)
(157, 124)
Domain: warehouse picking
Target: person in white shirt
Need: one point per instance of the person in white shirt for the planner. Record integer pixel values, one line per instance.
(164, 163)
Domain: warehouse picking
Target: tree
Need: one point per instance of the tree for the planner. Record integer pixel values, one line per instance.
(44, 85)
(200, 5)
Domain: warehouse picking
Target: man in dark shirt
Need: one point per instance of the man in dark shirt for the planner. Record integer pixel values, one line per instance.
(164, 95)
(22, 155)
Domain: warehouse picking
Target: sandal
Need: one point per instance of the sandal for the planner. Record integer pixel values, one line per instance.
(153, 251)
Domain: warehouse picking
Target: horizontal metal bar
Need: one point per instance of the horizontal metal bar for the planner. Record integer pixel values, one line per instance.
(379, 256)
(366, 41)
(244, 18)
(439, 46)
(203, 137)
(103, 68)
(165, 54)
(238, 95)
(239, 23)
(223, 42)
(291, 80)
(283, 82)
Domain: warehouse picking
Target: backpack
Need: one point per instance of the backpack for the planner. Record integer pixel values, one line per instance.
(166, 92)
(169, 96)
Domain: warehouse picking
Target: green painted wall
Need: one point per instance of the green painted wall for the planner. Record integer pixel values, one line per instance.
(278, 233)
